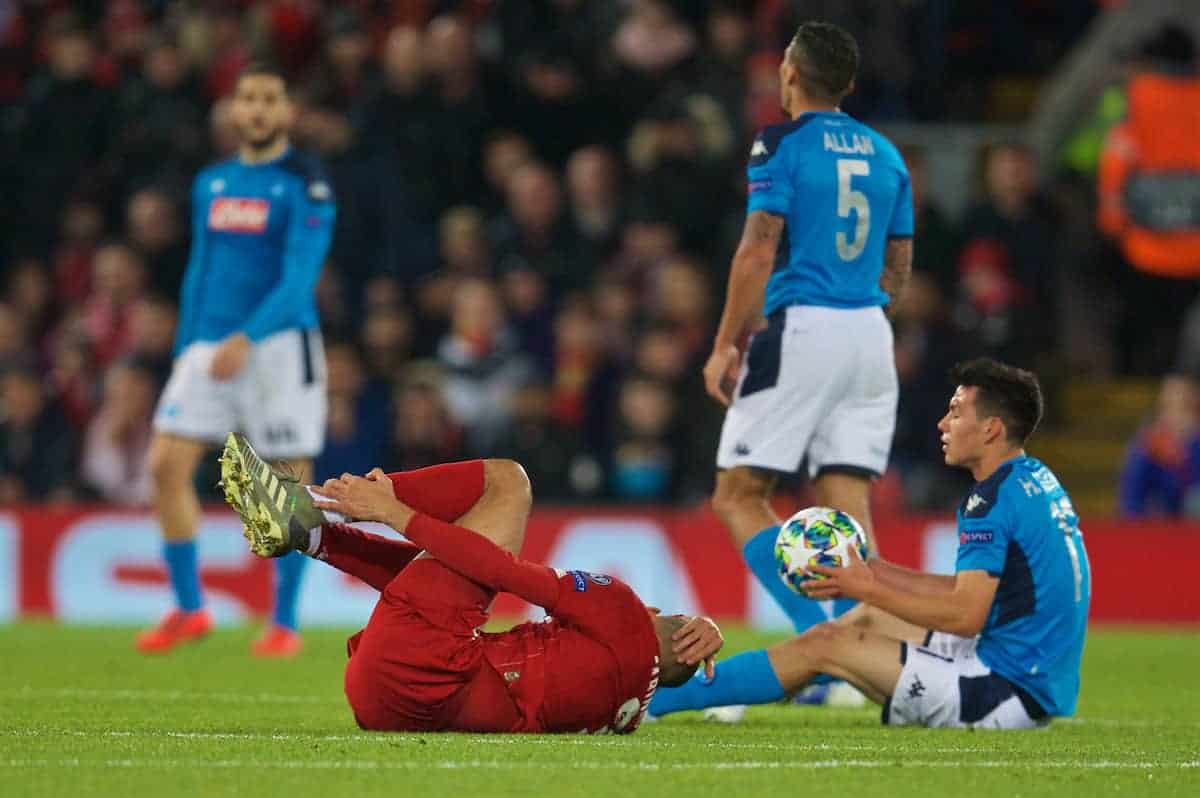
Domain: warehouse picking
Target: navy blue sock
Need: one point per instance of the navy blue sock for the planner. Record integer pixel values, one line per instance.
(759, 554)
(289, 571)
(747, 678)
(184, 572)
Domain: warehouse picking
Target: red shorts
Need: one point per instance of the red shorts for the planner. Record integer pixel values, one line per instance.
(410, 666)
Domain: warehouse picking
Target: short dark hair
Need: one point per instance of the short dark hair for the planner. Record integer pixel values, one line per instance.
(263, 67)
(1010, 393)
(826, 57)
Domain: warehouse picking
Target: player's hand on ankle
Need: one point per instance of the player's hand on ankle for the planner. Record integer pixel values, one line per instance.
(369, 498)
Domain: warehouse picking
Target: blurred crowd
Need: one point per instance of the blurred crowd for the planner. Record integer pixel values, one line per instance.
(537, 200)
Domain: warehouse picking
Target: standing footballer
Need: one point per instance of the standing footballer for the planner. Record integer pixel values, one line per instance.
(249, 353)
(827, 244)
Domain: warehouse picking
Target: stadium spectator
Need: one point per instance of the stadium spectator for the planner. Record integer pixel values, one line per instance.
(37, 444)
(113, 462)
(1161, 476)
(80, 229)
(386, 336)
(1018, 225)
(118, 276)
(158, 121)
(423, 430)
(533, 232)
(30, 295)
(463, 100)
(152, 335)
(345, 72)
(484, 367)
(64, 130)
(935, 238)
(993, 306)
(594, 190)
(463, 243)
(13, 340)
(503, 153)
(644, 462)
(553, 454)
(153, 228)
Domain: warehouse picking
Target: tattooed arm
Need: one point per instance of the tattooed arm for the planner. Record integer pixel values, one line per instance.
(748, 277)
(897, 266)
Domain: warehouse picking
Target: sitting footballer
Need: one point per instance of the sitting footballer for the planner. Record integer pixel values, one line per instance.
(423, 662)
(998, 644)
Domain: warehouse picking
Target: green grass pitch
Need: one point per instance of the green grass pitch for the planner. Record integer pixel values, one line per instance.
(81, 714)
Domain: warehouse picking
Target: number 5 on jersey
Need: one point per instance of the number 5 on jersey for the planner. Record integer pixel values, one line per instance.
(851, 200)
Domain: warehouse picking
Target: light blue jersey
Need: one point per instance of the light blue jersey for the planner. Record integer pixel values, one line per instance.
(260, 233)
(1019, 525)
(843, 191)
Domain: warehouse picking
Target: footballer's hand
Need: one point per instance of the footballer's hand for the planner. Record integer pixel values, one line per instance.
(698, 641)
(853, 580)
(230, 357)
(369, 498)
(721, 372)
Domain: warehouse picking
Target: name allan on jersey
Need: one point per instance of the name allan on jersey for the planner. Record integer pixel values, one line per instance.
(854, 144)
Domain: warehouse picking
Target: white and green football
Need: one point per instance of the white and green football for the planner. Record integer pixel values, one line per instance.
(816, 536)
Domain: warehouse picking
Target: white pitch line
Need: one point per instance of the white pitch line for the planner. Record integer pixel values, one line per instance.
(37, 693)
(368, 764)
(515, 740)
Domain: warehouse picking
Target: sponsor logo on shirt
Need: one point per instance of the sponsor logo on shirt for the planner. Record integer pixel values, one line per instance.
(580, 581)
(758, 149)
(974, 502)
(759, 185)
(974, 537)
(238, 214)
(600, 579)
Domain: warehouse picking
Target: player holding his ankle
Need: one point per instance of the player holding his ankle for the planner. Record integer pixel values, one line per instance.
(422, 663)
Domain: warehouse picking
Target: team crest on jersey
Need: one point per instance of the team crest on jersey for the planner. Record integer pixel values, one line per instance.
(600, 579)
(239, 214)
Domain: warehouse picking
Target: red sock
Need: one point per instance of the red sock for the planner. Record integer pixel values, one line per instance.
(372, 558)
(444, 492)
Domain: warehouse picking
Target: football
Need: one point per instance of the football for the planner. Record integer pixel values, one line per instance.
(816, 536)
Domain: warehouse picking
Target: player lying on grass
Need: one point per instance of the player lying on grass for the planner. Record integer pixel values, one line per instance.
(998, 644)
(422, 663)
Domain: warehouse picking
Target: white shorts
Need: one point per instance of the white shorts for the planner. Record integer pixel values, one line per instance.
(944, 685)
(278, 401)
(817, 383)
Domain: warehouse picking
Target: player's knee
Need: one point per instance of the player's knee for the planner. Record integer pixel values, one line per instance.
(820, 643)
(508, 478)
(167, 469)
(736, 489)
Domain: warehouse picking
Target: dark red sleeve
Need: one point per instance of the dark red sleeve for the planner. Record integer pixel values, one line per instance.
(482, 561)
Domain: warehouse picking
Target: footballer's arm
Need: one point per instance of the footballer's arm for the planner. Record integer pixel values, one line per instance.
(897, 266)
(910, 581)
(962, 611)
(748, 276)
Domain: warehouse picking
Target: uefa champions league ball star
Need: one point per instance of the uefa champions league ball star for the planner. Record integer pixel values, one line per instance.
(816, 536)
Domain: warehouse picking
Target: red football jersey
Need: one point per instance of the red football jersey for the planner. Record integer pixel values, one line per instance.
(590, 667)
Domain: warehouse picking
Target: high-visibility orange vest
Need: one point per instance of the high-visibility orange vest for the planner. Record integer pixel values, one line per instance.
(1149, 180)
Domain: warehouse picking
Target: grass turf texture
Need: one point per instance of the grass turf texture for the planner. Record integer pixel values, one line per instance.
(82, 714)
